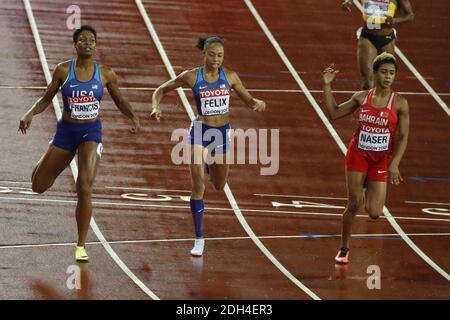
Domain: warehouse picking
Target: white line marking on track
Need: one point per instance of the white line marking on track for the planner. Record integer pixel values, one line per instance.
(291, 196)
(335, 136)
(437, 211)
(416, 74)
(73, 164)
(16, 182)
(147, 189)
(406, 93)
(369, 235)
(433, 203)
(227, 190)
(163, 206)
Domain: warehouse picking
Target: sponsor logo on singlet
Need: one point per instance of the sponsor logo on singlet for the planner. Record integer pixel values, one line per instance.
(214, 101)
(83, 105)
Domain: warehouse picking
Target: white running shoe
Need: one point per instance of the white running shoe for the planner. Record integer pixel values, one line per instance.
(199, 245)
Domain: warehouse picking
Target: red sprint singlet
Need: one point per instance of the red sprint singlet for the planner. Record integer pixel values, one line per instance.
(372, 143)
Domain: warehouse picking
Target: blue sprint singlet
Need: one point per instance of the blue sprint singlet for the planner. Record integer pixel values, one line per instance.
(82, 99)
(212, 98)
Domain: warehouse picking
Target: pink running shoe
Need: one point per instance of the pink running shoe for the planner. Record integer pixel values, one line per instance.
(342, 256)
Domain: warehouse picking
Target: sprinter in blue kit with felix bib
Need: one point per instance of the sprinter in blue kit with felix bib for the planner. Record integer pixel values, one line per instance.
(211, 85)
(79, 130)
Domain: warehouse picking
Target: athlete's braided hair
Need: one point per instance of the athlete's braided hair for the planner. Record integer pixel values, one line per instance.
(384, 58)
(204, 43)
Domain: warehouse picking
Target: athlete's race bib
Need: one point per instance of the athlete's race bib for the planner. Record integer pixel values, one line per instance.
(375, 12)
(373, 141)
(214, 101)
(84, 107)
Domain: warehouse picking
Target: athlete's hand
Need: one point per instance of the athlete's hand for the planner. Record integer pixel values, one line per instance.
(394, 174)
(25, 122)
(136, 125)
(259, 105)
(156, 113)
(389, 22)
(347, 5)
(329, 74)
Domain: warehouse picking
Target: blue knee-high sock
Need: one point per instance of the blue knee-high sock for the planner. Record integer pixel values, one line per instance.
(197, 209)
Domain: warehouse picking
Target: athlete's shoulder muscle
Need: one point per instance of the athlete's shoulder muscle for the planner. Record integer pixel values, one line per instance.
(359, 96)
(401, 104)
(231, 75)
(62, 70)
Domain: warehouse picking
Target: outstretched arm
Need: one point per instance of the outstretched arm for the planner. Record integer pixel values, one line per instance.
(400, 140)
(408, 13)
(183, 78)
(244, 95)
(336, 111)
(42, 103)
(122, 104)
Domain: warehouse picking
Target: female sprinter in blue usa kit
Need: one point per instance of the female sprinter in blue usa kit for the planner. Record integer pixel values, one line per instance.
(209, 133)
(82, 81)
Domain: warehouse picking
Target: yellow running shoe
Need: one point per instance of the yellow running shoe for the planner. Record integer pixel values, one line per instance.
(80, 254)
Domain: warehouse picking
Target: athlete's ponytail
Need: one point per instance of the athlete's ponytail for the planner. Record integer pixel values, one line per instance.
(204, 43)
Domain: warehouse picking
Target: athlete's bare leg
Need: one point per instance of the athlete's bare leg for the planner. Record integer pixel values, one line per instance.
(355, 185)
(198, 154)
(375, 198)
(49, 167)
(218, 171)
(88, 161)
(366, 54)
(389, 48)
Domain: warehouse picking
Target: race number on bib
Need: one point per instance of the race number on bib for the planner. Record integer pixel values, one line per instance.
(373, 142)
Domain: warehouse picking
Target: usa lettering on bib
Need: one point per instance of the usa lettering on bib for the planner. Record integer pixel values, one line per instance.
(374, 141)
(214, 101)
(83, 106)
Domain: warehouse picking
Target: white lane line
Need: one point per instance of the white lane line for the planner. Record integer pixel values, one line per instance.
(291, 196)
(294, 73)
(255, 194)
(73, 165)
(406, 93)
(432, 203)
(369, 235)
(163, 206)
(147, 189)
(16, 182)
(438, 211)
(164, 57)
(227, 190)
(414, 71)
(336, 137)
